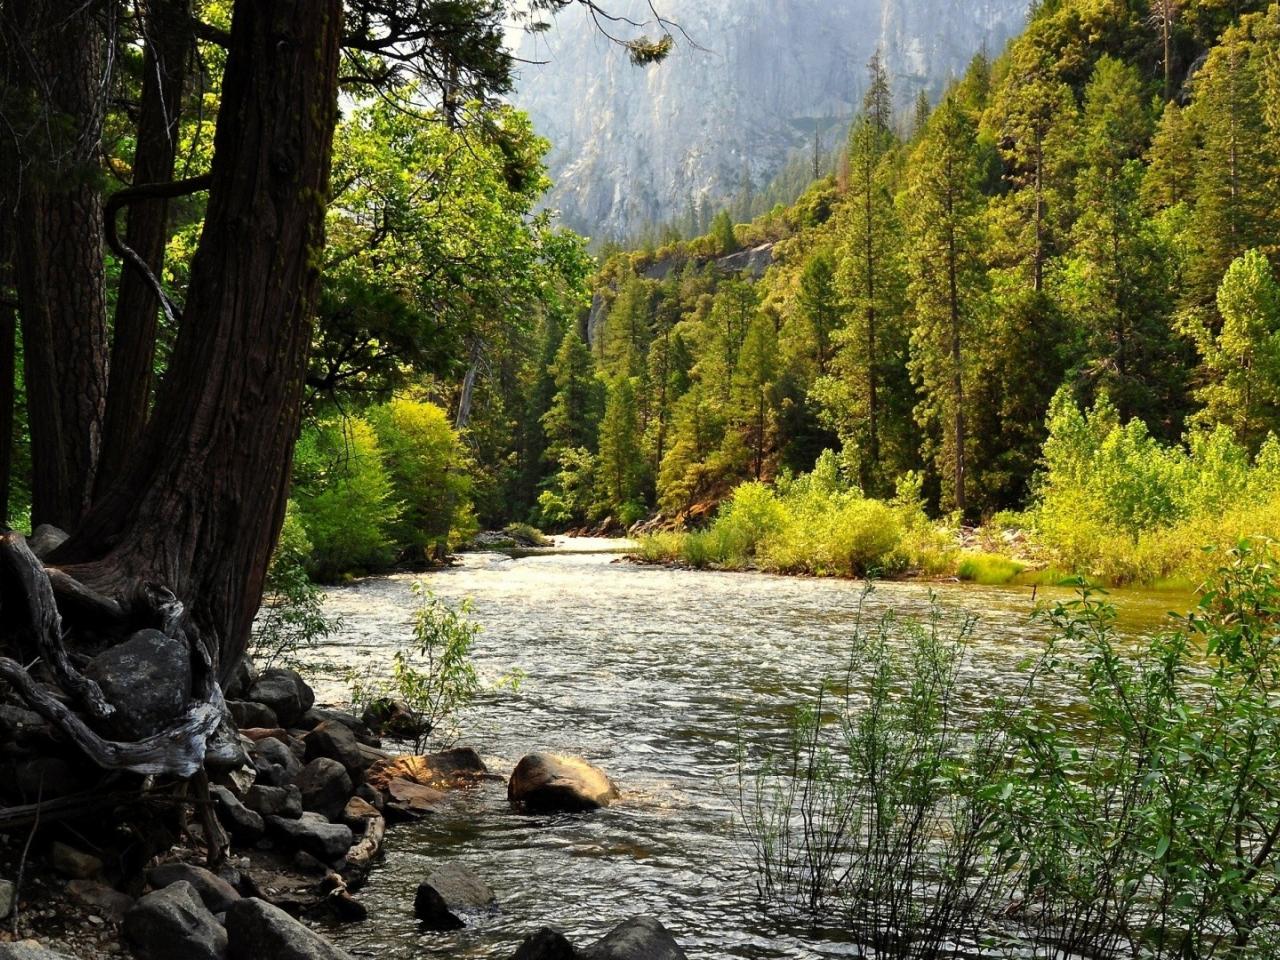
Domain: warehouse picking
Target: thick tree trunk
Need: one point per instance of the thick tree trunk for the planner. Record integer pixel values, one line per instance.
(59, 261)
(201, 504)
(169, 41)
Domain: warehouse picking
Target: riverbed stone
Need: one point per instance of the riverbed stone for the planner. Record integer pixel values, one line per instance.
(448, 891)
(327, 842)
(318, 715)
(334, 741)
(174, 924)
(544, 782)
(641, 938)
(285, 692)
(30, 950)
(247, 714)
(274, 762)
(546, 944)
(256, 929)
(8, 898)
(326, 787)
(243, 824)
(71, 862)
(216, 893)
(447, 768)
(271, 801)
(148, 681)
(101, 897)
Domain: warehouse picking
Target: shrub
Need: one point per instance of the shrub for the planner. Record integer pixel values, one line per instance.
(988, 569)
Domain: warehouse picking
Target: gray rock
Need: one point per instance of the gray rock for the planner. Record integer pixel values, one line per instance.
(274, 762)
(243, 824)
(275, 801)
(256, 929)
(70, 862)
(641, 938)
(248, 714)
(147, 679)
(243, 677)
(174, 924)
(225, 754)
(328, 842)
(545, 782)
(215, 892)
(8, 894)
(318, 715)
(99, 896)
(45, 539)
(29, 950)
(285, 692)
(546, 944)
(334, 741)
(326, 787)
(449, 890)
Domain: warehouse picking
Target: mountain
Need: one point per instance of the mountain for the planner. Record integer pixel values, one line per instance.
(749, 86)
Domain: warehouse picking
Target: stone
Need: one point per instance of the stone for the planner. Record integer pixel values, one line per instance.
(544, 782)
(546, 944)
(29, 950)
(8, 898)
(148, 681)
(101, 897)
(326, 787)
(256, 929)
(174, 924)
(225, 753)
(243, 677)
(274, 762)
(328, 842)
(392, 718)
(275, 801)
(246, 713)
(284, 692)
(334, 741)
(641, 938)
(449, 890)
(448, 768)
(216, 893)
(370, 795)
(411, 801)
(357, 811)
(244, 825)
(45, 539)
(265, 733)
(318, 715)
(18, 724)
(70, 862)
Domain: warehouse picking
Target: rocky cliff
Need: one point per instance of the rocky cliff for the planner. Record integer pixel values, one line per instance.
(635, 145)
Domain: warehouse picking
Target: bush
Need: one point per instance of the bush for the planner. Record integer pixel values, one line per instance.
(988, 569)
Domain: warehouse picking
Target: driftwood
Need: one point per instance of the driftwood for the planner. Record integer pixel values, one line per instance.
(364, 852)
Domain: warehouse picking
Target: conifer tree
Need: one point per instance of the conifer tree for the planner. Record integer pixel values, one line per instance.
(818, 304)
(571, 421)
(754, 380)
(620, 472)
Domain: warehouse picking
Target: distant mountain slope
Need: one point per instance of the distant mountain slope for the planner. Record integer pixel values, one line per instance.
(637, 145)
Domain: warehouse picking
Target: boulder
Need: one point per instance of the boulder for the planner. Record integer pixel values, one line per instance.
(100, 897)
(284, 692)
(215, 892)
(8, 898)
(244, 825)
(312, 833)
(410, 801)
(256, 929)
(225, 755)
(357, 811)
(174, 924)
(392, 718)
(449, 890)
(318, 715)
(148, 681)
(246, 713)
(441, 770)
(334, 741)
(325, 787)
(70, 862)
(544, 782)
(274, 762)
(45, 539)
(641, 938)
(546, 944)
(18, 724)
(275, 801)
(29, 950)
(243, 677)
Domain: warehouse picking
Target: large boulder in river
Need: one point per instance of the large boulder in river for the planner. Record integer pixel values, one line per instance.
(641, 938)
(546, 944)
(256, 929)
(285, 692)
(449, 768)
(174, 924)
(148, 681)
(544, 782)
(448, 894)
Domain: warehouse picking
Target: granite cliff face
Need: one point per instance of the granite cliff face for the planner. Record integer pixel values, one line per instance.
(635, 145)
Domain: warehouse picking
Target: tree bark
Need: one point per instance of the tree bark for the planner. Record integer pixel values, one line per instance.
(169, 41)
(59, 262)
(201, 503)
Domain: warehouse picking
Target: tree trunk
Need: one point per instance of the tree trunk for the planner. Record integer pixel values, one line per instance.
(202, 501)
(59, 259)
(164, 68)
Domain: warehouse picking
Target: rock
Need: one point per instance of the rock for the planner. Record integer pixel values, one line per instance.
(334, 741)
(8, 894)
(284, 692)
(275, 763)
(372, 796)
(392, 718)
(70, 862)
(305, 863)
(243, 677)
(17, 724)
(264, 733)
(99, 896)
(275, 801)
(357, 810)
(45, 539)
(318, 715)
(410, 801)
(174, 924)
(641, 938)
(224, 753)
(325, 787)
(448, 890)
(29, 950)
(447, 768)
(216, 893)
(246, 713)
(256, 929)
(243, 824)
(147, 679)
(546, 944)
(328, 842)
(545, 782)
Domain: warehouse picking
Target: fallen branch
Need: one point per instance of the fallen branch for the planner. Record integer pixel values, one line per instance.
(362, 854)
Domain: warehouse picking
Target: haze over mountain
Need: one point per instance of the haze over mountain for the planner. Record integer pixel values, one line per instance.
(633, 145)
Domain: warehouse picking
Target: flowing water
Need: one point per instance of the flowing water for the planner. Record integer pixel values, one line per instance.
(657, 676)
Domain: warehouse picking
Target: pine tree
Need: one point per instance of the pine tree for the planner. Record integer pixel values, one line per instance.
(629, 328)
(818, 305)
(1171, 169)
(722, 233)
(621, 468)
(754, 380)
(571, 421)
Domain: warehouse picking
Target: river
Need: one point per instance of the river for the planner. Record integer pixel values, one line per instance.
(655, 675)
